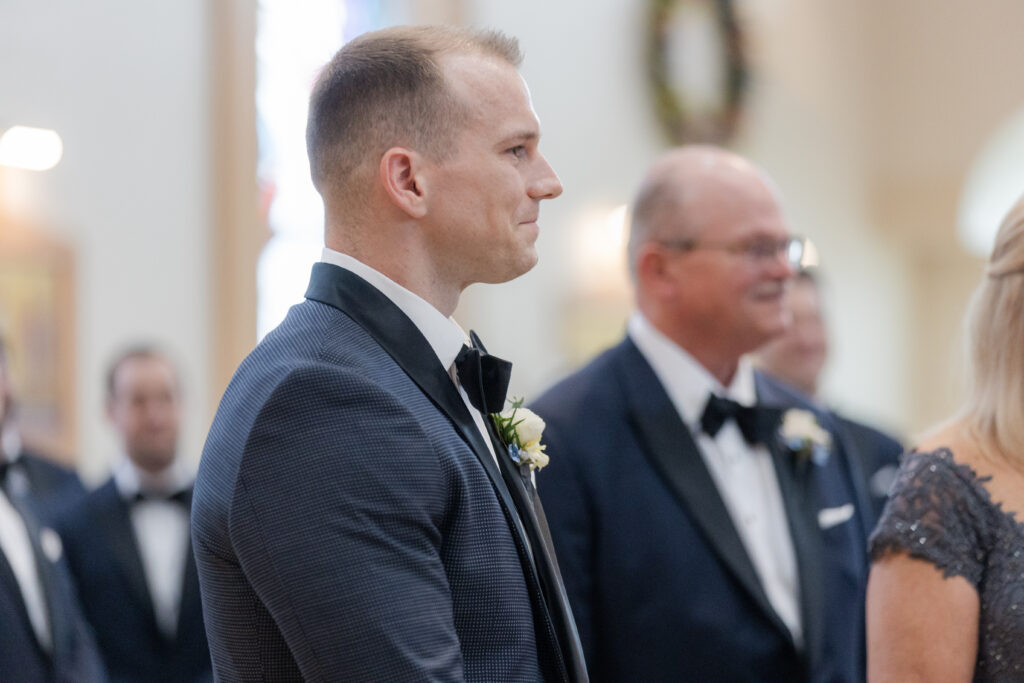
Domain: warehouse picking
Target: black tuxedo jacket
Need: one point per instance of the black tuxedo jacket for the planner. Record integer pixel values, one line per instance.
(879, 456)
(874, 452)
(51, 488)
(73, 657)
(104, 558)
(349, 522)
(659, 580)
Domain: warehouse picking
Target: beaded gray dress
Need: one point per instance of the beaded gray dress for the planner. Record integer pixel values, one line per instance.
(940, 511)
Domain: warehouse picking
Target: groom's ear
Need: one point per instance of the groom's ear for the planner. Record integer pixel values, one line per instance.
(403, 177)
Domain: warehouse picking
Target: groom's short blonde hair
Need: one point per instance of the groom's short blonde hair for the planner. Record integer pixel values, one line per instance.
(385, 89)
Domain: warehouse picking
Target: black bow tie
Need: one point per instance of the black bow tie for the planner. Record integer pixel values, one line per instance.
(758, 424)
(483, 376)
(181, 497)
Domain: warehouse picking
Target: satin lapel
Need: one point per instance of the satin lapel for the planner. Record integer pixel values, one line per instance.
(674, 454)
(794, 482)
(558, 613)
(846, 451)
(114, 516)
(48, 584)
(402, 340)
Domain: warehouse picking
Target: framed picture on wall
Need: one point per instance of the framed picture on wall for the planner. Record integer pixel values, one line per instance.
(37, 323)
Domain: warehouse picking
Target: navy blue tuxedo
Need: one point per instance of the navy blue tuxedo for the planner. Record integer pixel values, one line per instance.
(349, 522)
(73, 657)
(874, 452)
(103, 554)
(879, 456)
(658, 577)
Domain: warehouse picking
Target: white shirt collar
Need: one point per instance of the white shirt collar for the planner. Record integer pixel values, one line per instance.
(130, 479)
(10, 442)
(685, 380)
(444, 335)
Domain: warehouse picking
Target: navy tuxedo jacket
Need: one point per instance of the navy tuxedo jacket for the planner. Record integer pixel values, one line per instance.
(73, 657)
(879, 456)
(51, 488)
(659, 580)
(104, 558)
(349, 523)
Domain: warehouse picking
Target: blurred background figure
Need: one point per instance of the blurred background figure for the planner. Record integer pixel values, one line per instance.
(128, 542)
(42, 634)
(945, 593)
(693, 544)
(797, 358)
(48, 487)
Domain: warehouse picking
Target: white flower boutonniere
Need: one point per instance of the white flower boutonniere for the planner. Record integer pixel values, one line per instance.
(520, 430)
(803, 435)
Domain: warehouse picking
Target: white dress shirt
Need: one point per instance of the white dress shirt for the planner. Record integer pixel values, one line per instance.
(744, 475)
(444, 335)
(16, 544)
(17, 548)
(161, 532)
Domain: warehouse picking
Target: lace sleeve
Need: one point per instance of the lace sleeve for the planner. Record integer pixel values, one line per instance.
(937, 511)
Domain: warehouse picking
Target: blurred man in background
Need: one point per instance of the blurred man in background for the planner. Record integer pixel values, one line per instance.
(128, 542)
(42, 634)
(695, 543)
(797, 357)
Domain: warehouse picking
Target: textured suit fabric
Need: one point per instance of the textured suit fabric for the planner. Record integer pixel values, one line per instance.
(657, 576)
(73, 657)
(104, 558)
(344, 529)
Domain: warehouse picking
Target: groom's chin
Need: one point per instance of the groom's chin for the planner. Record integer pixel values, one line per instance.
(522, 264)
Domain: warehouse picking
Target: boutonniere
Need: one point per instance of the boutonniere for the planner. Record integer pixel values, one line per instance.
(803, 434)
(519, 430)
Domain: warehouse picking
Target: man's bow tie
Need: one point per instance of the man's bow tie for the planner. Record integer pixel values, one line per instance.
(483, 376)
(181, 497)
(758, 424)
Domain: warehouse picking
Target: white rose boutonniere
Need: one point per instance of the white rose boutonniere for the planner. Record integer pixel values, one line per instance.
(520, 430)
(803, 435)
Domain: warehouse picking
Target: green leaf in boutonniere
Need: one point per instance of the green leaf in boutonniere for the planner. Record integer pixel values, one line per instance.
(803, 435)
(520, 431)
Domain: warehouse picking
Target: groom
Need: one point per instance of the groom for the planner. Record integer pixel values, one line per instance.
(351, 520)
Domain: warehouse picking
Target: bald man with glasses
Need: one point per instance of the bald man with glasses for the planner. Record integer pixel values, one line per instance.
(704, 534)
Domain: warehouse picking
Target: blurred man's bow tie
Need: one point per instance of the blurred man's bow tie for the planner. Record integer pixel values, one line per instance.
(758, 424)
(181, 497)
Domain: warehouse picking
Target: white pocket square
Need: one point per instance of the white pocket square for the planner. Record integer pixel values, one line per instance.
(830, 517)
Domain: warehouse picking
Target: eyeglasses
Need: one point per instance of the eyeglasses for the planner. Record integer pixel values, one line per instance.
(757, 251)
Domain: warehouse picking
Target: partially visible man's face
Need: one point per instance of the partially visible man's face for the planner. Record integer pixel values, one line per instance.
(798, 355)
(737, 298)
(145, 410)
(488, 193)
(4, 389)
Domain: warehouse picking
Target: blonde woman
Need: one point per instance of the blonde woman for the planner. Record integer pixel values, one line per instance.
(946, 593)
